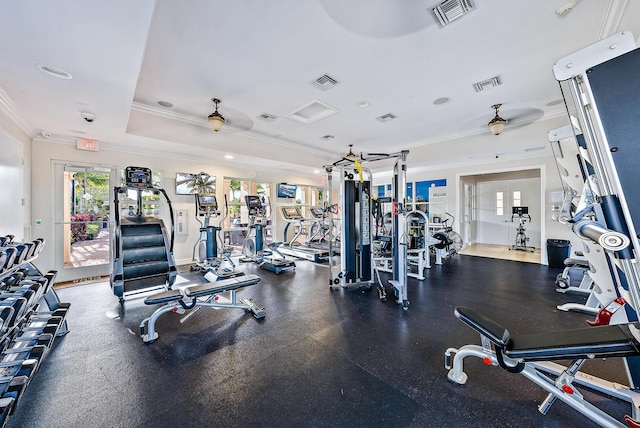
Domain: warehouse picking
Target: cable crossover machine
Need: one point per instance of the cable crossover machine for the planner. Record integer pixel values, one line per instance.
(354, 212)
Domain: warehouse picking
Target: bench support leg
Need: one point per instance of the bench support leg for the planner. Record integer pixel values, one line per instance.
(148, 325)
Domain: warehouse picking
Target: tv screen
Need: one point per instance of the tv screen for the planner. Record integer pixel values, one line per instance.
(189, 184)
(287, 190)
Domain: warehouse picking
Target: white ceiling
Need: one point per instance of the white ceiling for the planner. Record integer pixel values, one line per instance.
(262, 57)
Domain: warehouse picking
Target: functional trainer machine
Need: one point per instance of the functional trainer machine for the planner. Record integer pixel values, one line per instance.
(354, 209)
(604, 89)
(253, 245)
(143, 249)
(293, 216)
(205, 250)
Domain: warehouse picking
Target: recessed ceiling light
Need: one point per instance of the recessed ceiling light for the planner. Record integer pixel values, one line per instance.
(316, 171)
(554, 103)
(228, 157)
(328, 137)
(363, 104)
(165, 103)
(442, 100)
(54, 71)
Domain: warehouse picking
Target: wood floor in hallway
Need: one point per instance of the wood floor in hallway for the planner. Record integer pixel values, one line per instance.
(503, 252)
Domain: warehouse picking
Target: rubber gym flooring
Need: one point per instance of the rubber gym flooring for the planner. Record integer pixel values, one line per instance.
(318, 359)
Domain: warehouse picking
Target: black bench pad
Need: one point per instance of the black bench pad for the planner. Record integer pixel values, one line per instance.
(209, 288)
(164, 297)
(602, 341)
(485, 326)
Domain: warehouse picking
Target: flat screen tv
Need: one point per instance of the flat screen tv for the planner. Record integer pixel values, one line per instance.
(189, 184)
(287, 190)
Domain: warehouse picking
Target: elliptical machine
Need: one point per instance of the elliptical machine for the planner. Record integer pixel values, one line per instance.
(521, 213)
(253, 244)
(205, 250)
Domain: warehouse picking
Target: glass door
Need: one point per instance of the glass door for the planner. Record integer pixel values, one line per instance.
(82, 221)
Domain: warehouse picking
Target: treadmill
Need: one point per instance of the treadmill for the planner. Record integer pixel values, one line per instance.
(293, 216)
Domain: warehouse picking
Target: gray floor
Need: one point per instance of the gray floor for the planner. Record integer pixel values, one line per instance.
(319, 358)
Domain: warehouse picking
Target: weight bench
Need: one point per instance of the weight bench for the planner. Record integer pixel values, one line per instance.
(522, 354)
(194, 297)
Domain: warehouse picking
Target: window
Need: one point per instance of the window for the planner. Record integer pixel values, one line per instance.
(236, 223)
(499, 203)
(516, 199)
(151, 202)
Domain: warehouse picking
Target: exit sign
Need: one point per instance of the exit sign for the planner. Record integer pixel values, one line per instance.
(84, 144)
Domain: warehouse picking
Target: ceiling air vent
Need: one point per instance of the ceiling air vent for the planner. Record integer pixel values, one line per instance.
(487, 84)
(386, 117)
(268, 117)
(312, 112)
(450, 10)
(325, 82)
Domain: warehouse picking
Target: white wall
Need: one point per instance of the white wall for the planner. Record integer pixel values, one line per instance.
(15, 176)
(45, 152)
(11, 196)
(494, 229)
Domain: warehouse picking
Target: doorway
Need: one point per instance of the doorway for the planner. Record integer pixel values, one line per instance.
(487, 204)
(82, 221)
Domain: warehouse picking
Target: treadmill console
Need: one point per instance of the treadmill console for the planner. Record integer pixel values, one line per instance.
(135, 176)
(317, 212)
(291, 213)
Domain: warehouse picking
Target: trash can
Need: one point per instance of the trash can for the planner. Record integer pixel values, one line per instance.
(557, 251)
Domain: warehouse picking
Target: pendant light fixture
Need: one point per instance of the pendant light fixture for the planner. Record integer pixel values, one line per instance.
(496, 125)
(216, 120)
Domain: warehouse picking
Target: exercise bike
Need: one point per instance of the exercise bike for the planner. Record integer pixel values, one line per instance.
(449, 242)
(253, 244)
(205, 250)
(522, 213)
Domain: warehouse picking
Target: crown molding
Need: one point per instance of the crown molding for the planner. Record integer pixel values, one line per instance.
(9, 108)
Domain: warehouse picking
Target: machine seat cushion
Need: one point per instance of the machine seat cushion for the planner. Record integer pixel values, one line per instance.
(209, 288)
(164, 297)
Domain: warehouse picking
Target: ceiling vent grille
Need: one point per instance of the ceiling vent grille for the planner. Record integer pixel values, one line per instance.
(312, 112)
(325, 82)
(487, 84)
(386, 117)
(268, 117)
(450, 10)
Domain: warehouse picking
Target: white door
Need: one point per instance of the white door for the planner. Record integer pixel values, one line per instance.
(82, 222)
(468, 212)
